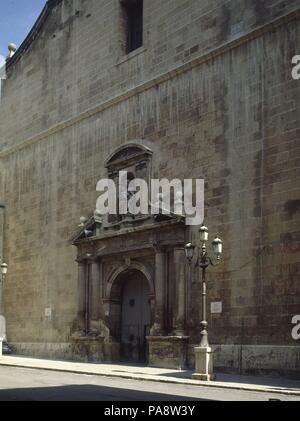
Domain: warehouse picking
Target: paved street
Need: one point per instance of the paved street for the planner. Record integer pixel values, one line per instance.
(38, 385)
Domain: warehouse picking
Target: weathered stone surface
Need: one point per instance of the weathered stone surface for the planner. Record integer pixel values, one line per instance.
(88, 349)
(258, 359)
(168, 351)
(50, 350)
(231, 117)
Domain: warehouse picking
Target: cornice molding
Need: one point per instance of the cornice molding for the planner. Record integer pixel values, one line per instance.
(145, 86)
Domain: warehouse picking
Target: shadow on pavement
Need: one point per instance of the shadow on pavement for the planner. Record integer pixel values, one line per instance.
(178, 375)
(86, 393)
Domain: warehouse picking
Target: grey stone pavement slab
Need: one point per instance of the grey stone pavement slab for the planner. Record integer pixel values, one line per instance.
(27, 384)
(128, 371)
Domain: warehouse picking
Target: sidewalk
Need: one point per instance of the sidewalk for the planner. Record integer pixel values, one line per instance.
(229, 381)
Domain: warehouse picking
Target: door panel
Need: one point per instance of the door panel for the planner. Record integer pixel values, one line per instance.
(135, 318)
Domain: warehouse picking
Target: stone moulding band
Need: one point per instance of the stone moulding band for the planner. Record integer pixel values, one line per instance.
(171, 74)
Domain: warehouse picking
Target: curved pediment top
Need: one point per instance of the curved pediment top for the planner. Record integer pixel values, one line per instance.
(34, 32)
(127, 152)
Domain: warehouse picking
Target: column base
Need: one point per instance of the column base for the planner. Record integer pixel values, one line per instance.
(168, 351)
(204, 364)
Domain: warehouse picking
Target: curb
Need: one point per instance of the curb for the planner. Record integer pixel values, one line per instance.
(156, 378)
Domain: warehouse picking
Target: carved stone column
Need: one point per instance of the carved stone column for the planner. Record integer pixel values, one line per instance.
(170, 351)
(82, 272)
(94, 294)
(101, 293)
(87, 344)
(158, 326)
(180, 282)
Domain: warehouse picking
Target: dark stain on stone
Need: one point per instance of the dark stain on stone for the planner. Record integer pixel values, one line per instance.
(292, 207)
(258, 175)
(224, 18)
(260, 10)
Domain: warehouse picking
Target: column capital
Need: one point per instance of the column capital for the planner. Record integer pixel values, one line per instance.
(86, 258)
(159, 248)
(179, 247)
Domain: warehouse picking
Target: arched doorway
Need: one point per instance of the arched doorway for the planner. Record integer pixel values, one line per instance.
(135, 317)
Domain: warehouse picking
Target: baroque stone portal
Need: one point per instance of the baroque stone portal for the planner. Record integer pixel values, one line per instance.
(131, 283)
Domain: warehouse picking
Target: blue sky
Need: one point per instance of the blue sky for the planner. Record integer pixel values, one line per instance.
(16, 19)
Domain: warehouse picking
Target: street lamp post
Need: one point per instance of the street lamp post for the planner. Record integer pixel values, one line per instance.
(3, 272)
(203, 353)
(4, 269)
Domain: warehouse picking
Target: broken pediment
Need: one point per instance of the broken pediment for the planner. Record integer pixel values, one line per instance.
(97, 227)
(89, 228)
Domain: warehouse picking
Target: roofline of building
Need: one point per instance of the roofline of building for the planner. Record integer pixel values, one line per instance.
(33, 33)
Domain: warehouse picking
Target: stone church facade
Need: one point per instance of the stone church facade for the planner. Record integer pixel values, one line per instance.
(172, 89)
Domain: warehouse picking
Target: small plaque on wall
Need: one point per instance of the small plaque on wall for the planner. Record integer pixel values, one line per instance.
(48, 312)
(216, 307)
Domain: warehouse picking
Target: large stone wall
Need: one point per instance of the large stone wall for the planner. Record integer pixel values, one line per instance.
(77, 60)
(230, 116)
